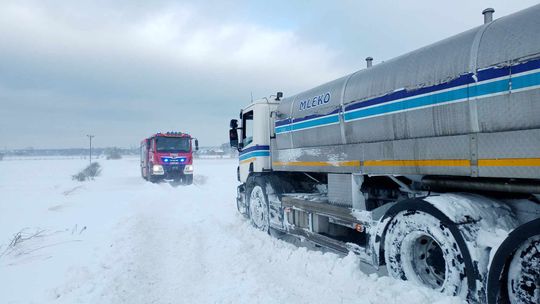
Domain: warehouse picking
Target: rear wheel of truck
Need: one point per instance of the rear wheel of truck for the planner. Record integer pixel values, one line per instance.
(258, 208)
(523, 283)
(514, 275)
(420, 248)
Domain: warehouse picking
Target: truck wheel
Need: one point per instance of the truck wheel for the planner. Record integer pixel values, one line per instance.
(420, 248)
(258, 208)
(148, 174)
(188, 179)
(142, 174)
(514, 274)
(524, 273)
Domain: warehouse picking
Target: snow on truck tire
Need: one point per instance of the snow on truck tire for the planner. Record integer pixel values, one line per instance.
(419, 248)
(258, 208)
(524, 273)
(188, 179)
(471, 223)
(514, 274)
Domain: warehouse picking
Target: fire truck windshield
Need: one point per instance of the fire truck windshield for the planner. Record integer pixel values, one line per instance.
(172, 144)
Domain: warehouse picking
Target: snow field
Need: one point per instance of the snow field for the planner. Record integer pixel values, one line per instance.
(119, 239)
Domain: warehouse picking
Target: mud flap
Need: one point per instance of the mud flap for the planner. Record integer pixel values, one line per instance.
(276, 213)
(241, 200)
(274, 205)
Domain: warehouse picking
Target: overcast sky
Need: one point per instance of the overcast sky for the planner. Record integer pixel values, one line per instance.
(122, 70)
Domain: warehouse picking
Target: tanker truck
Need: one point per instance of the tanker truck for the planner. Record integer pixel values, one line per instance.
(426, 165)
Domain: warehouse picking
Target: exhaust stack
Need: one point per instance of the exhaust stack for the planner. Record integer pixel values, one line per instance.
(488, 15)
(369, 62)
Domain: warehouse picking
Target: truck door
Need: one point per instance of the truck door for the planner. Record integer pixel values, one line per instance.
(247, 130)
(255, 140)
(247, 162)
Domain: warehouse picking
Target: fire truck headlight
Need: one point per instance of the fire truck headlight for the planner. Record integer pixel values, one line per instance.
(188, 169)
(157, 169)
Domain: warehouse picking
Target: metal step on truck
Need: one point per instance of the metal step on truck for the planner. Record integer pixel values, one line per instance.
(427, 164)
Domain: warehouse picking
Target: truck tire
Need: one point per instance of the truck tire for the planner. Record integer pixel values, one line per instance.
(258, 207)
(142, 174)
(514, 275)
(148, 174)
(188, 179)
(523, 283)
(420, 248)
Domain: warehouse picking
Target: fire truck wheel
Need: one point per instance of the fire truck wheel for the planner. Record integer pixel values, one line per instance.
(258, 208)
(188, 179)
(419, 248)
(142, 174)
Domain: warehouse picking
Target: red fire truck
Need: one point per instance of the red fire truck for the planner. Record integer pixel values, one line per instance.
(168, 156)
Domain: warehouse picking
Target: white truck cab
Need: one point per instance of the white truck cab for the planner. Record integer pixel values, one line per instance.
(253, 142)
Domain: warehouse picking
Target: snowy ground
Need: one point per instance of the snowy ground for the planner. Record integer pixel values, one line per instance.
(119, 239)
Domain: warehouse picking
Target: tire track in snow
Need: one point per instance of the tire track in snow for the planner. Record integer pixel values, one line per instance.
(188, 245)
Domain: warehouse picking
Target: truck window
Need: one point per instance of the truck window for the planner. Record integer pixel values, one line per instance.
(247, 128)
(172, 144)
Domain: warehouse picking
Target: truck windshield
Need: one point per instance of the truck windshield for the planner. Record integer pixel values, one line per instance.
(172, 144)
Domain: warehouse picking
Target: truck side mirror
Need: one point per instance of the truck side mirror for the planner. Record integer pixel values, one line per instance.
(234, 123)
(196, 145)
(233, 137)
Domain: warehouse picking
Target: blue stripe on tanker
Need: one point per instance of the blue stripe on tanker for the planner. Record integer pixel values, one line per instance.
(289, 121)
(408, 104)
(325, 120)
(391, 103)
(402, 94)
(525, 81)
(431, 100)
(283, 122)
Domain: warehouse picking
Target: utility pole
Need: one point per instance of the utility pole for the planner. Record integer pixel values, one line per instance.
(90, 137)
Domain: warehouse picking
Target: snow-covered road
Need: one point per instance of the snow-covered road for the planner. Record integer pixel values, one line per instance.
(119, 239)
